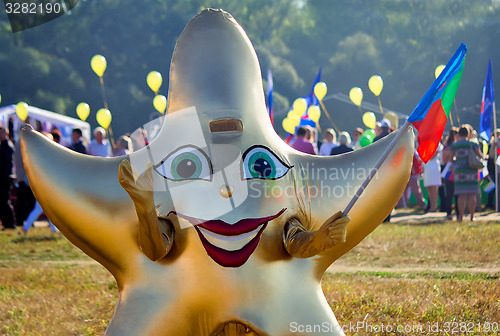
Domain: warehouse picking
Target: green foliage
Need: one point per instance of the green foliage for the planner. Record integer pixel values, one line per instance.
(401, 40)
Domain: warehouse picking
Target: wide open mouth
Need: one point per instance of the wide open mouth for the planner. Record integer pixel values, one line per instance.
(234, 328)
(230, 245)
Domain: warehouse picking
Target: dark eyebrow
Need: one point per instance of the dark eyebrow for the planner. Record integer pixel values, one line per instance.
(226, 125)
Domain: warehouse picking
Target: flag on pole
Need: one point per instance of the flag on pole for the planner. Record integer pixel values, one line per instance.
(429, 117)
(447, 172)
(483, 173)
(488, 185)
(311, 97)
(431, 114)
(487, 105)
(269, 96)
(311, 100)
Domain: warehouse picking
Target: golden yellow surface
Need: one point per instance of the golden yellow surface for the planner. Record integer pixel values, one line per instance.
(170, 285)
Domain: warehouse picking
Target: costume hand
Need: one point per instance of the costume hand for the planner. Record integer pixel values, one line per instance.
(140, 190)
(333, 231)
(150, 238)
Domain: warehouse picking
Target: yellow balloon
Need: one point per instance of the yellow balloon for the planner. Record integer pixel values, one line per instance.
(376, 84)
(288, 126)
(98, 64)
(292, 113)
(314, 113)
(356, 95)
(438, 70)
(300, 106)
(0, 98)
(154, 80)
(320, 90)
(22, 110)
(83, 110)
(369, 119)
(160, 103)
(393, 118)
(290, 123)
(103, 117)
(295, 120)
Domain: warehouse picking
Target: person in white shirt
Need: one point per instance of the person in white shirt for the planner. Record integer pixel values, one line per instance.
(123, 146)
(100, 146)
(356, 135)
(329, 142)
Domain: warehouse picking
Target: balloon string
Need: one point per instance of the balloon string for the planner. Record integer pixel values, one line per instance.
(456, 111)
(328, 116)
(109, 130)
(380, 105)
(110, 134)
(103, 93)
(451, 120)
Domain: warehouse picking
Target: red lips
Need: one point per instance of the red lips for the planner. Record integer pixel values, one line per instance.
(224, 257)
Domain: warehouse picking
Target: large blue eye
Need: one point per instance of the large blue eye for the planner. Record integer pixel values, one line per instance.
(185, 163)
(260, 163)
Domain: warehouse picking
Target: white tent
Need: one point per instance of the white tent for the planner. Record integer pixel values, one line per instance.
(48, 120)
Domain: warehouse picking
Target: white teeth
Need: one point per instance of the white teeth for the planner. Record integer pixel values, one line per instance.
(229, 243)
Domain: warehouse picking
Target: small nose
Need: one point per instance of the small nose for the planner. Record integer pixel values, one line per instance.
(226, 191)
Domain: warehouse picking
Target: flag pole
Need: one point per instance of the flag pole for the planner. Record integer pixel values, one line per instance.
(451, 120)
(456, 111)
(375, 169)
(494, 147)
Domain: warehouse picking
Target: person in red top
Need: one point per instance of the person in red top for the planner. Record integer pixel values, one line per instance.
(303, 145)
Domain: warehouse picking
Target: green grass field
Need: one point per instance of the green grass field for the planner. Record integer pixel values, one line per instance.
(411, 279)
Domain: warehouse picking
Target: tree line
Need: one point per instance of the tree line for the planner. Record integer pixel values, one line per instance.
(401, 40)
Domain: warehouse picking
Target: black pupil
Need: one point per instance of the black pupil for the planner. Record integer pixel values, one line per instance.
(186, 168)
(262, 167)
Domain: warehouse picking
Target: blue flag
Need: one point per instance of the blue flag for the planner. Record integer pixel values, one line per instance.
(311, 97)
(487, 105)
(311, 100)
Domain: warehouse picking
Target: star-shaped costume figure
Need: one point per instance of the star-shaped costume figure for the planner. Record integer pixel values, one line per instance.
(217, 227)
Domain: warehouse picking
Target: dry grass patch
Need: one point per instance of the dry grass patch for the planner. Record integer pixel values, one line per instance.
(49, 287)
(39, 244)
(71, 300)
(413, 299)
(448, 244)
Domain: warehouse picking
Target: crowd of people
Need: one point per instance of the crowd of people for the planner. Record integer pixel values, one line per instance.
(18, 206)
(100, 146)
(448, 178)
(306, 139)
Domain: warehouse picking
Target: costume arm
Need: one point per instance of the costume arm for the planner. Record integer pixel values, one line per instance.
(300, 243)
(153, 242)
